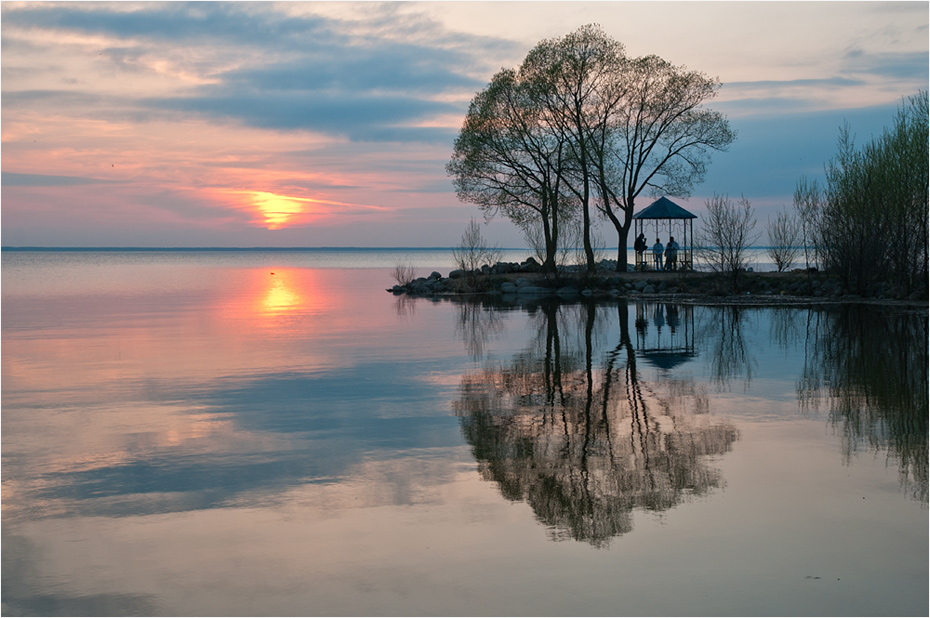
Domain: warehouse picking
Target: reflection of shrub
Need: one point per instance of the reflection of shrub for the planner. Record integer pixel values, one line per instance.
(877, 405)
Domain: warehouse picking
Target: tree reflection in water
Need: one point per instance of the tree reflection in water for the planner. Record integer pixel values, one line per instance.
(569, 426)
(869, 367)
(476, 323)
(728, 353)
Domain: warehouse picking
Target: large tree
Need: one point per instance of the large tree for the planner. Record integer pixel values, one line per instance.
(506, 159)
(657, 137)
(581, 125)
(578, 81)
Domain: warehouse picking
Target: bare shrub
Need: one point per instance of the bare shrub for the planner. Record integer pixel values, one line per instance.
(726, 236)
(598, 247)
(808, 204)
(535, 239)
(474, 251)
(404, 273)
(784, 237)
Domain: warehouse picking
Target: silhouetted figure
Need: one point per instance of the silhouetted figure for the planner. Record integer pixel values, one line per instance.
(671, 254)
(657, 254)
(640, 247)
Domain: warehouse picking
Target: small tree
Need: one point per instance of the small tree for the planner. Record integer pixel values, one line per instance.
(474, 251)
(726, 236)
(784, 234)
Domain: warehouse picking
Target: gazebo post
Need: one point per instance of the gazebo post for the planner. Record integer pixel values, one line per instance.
(690, 244)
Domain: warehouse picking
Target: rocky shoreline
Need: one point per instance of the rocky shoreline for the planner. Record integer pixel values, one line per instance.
(524, 282)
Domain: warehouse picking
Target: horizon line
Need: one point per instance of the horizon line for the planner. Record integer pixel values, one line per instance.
(26, 248)
(214, 248)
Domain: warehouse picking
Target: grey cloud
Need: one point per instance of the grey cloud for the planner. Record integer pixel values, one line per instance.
(400, 68)
(359, 117)
(303, 72)
(259, 25)
(169, 21)
(913, 66)
(58, 97)
(13, 179)
(829, 82)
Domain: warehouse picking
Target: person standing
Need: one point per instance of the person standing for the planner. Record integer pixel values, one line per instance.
(657, 254)
(640, 247)
(671, 254)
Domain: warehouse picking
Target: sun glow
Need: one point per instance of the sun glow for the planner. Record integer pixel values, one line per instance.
(278, 210)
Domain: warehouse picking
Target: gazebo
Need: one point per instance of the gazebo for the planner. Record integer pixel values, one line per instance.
(666, 218)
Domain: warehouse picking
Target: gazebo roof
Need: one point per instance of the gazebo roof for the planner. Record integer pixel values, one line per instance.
(664, 208)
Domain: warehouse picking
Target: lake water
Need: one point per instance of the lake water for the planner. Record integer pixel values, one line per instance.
(271, 433)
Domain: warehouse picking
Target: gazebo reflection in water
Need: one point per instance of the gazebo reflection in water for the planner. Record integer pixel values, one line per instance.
(664, 333)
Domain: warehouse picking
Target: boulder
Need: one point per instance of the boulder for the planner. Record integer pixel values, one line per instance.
(533, 290)
(502, 268)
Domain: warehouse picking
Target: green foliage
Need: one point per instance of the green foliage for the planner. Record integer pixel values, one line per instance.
(873, 223)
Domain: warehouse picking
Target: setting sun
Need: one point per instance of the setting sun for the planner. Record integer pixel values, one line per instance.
(277, 210)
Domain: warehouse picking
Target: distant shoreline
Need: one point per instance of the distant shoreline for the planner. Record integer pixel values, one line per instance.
(282, 249)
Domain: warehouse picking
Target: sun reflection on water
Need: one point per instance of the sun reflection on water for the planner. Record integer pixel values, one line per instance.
(281, 298)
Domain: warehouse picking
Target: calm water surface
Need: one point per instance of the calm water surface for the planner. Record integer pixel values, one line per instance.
(273, 434)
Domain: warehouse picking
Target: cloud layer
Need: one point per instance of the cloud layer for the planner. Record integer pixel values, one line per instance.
(161, 107)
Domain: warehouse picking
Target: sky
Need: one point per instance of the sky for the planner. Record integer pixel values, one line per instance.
(229, 124)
